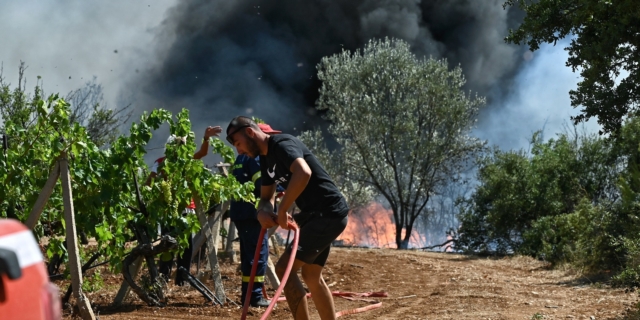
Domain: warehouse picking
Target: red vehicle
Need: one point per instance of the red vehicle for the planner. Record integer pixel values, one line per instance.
(25, 290)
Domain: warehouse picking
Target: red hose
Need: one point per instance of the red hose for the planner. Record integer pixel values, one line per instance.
(283, 281)
(254, 268)
(353, 296)
(358, 310)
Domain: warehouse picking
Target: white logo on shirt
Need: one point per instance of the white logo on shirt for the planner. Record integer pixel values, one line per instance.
(272, 173)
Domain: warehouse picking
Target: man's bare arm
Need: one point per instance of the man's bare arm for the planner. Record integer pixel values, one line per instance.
(267, 198)
(300, 175)
(204, 147)
(265, 215)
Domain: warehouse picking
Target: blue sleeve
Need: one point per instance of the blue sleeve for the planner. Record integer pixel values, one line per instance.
(252, 167)
(245, 169)
(238, 171)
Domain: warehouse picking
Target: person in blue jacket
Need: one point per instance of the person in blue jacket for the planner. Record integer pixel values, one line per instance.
(243, 214)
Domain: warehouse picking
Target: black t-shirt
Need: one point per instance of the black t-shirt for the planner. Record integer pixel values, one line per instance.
(320, 194)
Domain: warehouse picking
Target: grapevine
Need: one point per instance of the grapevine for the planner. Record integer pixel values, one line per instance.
(105, 201)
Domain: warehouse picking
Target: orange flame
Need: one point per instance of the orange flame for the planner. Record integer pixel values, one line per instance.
(374, 227)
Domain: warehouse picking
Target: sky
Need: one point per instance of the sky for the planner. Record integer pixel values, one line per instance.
(133, 48)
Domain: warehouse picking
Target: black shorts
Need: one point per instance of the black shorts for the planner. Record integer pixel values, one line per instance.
(317, 231)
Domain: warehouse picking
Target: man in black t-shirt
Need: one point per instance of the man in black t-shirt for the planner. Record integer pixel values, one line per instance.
(287, 162)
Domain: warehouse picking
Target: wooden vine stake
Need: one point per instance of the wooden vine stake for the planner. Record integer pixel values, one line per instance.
(43, 197)
(61, 170)
(210, 233)
(72, 242)
(231, 235)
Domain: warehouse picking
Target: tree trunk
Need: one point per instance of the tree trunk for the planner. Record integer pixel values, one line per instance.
(134, 270)
(407, 238)
(147, 251)
(399, 236)
(402, 242)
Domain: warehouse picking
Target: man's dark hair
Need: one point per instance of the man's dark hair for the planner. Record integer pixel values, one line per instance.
(242, 121)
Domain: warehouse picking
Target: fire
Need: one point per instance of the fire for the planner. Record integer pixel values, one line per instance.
(374, 227)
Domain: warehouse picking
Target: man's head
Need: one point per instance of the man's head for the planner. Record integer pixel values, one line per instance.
(244, 134)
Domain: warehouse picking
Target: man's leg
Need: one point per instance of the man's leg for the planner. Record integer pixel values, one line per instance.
(165, 264)
(320, 293)
(262, 268)
(184, 261)
(316, 234)
(166, 259)
(248, 232)
(245, 260)
(293, 289)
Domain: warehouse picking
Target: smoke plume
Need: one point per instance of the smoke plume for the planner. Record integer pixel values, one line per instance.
(224, 58)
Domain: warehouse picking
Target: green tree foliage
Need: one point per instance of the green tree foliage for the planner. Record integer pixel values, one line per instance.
(628, 209)
(605, 36)
(103, 178)
(517, 189)
(16, 105)
(403, 123)
(584, 238)
(87, 107)
(350, 182)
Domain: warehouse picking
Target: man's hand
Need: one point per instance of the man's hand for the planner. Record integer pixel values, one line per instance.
(212, 132)
(204, 148)
(283, 220)
(267, 219)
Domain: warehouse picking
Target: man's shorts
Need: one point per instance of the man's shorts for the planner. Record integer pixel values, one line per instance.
(317, 231)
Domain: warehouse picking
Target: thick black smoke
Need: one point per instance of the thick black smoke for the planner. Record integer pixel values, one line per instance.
(222, 58)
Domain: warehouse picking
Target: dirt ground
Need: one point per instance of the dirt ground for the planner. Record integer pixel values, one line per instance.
(420, 285)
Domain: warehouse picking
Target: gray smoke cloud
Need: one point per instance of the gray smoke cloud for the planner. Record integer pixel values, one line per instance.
(220, 58)
(68, 42)
(224, 58)
(539, 101)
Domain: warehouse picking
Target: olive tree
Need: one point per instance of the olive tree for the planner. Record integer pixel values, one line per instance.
(352, 183)
(403, 122)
